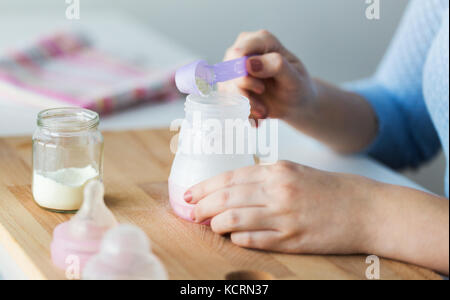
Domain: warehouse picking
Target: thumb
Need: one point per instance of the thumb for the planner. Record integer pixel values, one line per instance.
(270, 65)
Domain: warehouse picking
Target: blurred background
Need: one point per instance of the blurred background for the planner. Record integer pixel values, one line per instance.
(333, 38)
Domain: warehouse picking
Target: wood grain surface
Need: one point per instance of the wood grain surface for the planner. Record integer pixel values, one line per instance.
(137, 165)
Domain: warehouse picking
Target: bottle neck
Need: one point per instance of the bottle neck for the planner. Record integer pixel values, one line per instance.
(218, 106)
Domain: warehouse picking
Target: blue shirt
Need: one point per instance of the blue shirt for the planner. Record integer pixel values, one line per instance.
(410, 90)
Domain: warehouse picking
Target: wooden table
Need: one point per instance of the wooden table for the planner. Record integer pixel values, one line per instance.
(137, 165)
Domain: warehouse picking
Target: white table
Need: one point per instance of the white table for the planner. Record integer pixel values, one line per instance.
(117, 33)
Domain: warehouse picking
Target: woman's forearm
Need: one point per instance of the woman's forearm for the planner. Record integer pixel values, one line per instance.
(343, 120)
(409, 225)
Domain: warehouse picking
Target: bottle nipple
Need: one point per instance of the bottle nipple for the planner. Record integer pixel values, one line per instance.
(94, 218)
(81, 236)
(125, 254)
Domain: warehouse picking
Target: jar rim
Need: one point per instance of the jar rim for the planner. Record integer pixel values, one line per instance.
(68, 119)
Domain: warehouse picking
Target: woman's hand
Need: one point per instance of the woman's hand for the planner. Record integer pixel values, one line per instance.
(286, 207)
(291, 208)
(279, 85)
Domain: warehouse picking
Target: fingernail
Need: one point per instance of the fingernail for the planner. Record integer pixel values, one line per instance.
(260, 89)
(258, 109)
(193, 216)
(188, 196)
(256, 65)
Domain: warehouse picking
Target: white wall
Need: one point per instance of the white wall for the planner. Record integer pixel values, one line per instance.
(332, 37)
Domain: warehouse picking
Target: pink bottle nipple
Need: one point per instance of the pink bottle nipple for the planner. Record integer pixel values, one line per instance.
(77, 240)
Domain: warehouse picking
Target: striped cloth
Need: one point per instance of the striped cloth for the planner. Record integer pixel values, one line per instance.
(65, 69)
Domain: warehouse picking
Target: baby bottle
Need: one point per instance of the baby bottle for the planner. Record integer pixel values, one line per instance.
(77, 240)
(214, 138)
(125, 254)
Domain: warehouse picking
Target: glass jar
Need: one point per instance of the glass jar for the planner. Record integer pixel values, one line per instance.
(67, 153)
(214, 138)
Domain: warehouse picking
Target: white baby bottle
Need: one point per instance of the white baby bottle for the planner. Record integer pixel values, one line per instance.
(215, 137)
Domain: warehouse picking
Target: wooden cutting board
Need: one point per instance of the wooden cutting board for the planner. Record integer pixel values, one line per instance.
(137, 165)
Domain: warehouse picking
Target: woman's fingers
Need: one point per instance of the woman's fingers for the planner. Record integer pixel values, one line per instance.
(251, 174)
(249, 43)
(252, 84)
(258, 109)
(271, 65)
(253, 88)
(242, 219)
(261, 239)
(238, 196)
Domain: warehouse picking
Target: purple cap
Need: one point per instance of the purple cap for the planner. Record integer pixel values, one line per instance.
(187, 77)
